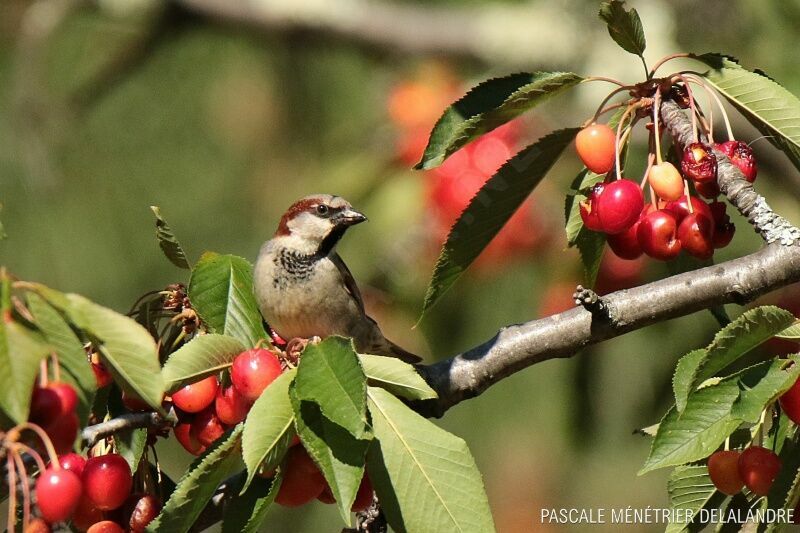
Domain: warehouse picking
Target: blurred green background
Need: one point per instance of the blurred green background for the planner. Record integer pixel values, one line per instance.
(109, 107)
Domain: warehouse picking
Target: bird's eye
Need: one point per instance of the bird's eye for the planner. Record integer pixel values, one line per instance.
(322, 209)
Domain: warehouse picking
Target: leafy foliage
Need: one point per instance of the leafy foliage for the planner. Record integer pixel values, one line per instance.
(247, 512)
(168, 242)
(690, 489)
(491, 208)
(203, 356)
(397, 377)
(489, 105)
(624, 26)
(20, 352)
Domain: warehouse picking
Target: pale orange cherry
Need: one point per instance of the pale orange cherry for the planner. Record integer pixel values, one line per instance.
(666, 181)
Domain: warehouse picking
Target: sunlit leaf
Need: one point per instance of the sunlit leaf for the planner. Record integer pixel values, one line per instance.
(168, 242)
(399, 378)
(203, 356)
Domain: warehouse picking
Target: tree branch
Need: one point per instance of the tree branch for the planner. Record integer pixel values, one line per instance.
(91, 434)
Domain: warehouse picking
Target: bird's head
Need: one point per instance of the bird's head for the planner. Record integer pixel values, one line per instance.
(319, 221)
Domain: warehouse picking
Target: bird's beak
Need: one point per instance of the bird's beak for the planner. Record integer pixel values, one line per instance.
(350, 217)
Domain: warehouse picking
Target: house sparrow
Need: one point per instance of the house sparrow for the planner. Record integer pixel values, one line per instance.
(303, 287)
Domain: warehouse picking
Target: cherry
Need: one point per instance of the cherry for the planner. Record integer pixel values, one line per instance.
(106, 526)
(231, 406)
(759, 467)
(723, 468)
(58, 492)
(619, 206)
(252, 371)
(790, 402)
(86, 514)
(206, 427)
(657, 235)
(326, 496)
(101, 375)
(37, 525)
(699, 163)
(107, 481)
(196, 396)
(696, 234)
(45, 405)
(666, 181)
(133, 402)
(708, 189)
(680, 208)
(363, 496)
(724, 229)
(302, 480)
(63, 431)
(145, 509)
(72, 462)
(67, 396)
(742, 156)
(184, 435)
(595, 145)
(626, 244)
(588, 208)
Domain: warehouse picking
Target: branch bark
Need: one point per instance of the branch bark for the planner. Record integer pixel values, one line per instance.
(91, 434)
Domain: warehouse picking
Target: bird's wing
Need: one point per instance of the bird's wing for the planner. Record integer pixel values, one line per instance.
(349, 281)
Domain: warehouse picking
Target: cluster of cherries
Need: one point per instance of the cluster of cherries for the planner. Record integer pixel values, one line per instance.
(206, 409)
(673, 220)
(53, 409)
(94, 494)
(756, 467)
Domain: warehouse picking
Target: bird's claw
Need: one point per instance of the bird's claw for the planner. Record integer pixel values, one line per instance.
(296, 346)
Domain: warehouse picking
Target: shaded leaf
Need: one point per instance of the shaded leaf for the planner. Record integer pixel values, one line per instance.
(201, 357)
(20, 352)
(330, 375)
(338, 454)
(131, 444)
(690, 489)
(75, 367)
(785, 490)
(491, 208)
(168, 242)
(582, 183)
(221, 291)
(489, 105)
(591, 245)
(198, 484)
(624, 26)
(245, 512)
(399, 378)
(425, 477)
(268, 428)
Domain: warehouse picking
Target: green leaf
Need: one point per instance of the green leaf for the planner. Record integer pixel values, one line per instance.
(425, 477)
(168, 242)
(20, 352)
(399, 378)
(198, 484)
(128, 350)
(268, 429)
(330, 375)
(785, 490)
(690, 489)
(582, 183)
(131, 444)
(489, 105)
(591, 245)
(750, 329)
(339, 455)
(75, 367)
(244, 513)
(202, 356)
(624, 26)
(491, 208)
(221, 291)
(761, 100)
(791, 333)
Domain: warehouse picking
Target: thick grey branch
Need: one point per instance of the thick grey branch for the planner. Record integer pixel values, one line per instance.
(91, 434)
(563, 335)
(740, 192)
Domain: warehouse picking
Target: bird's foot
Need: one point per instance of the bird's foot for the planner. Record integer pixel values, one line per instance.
(296, 346)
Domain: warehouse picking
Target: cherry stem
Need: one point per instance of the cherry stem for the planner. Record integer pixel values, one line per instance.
(33, 453)
(13, 436)
(617, 144)
(56, 367)
(656, 105)
(650, 158)
(653, 197)
(698, 79)
(692, 107)
(609, 80)
(608, 97)
(664, 60)
(688, 197)
(12, 494)
(26, 490)
(43, 373)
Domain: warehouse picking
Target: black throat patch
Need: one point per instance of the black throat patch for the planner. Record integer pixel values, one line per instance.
(296, 267)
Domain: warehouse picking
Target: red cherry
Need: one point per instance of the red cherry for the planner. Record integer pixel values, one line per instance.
(206, 427)
(252, 371)
(790, 402)
(63, 431)
(666, 181)
(588, 208)
(134, 403)
(680, 208)
(72, 462)
(696, 234)
(626, 244)
(708, 189)
(45, 406)
(326, 496)
(183, 434)
(231, 406)
(363, 496)
(144, 511)
(699, 163)
(723, 468)
(742, 156)
(724, 229)
(57, 493)
(67, 395)
(302, 480)
(619, 206)
(107, 481)
(196, 396)
(657, 235)
(759, 467)
(106, 526)
(595, 145)
(101, 375)
(37, 525)
(86, 514)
